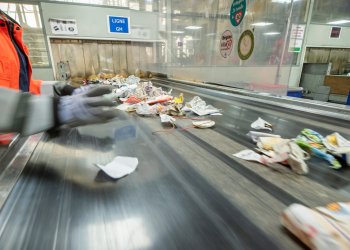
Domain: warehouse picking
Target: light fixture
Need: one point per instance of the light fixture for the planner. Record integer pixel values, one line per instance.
(339, 22)
(191, 39)
(262, 24)
(271, 33)
(177, 32)
(193, 27)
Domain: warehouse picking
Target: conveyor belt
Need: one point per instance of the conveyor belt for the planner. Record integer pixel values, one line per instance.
(187, 193)
(288, 126)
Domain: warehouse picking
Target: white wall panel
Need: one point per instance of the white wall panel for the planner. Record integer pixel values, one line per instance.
(92, 20)
(319, 36)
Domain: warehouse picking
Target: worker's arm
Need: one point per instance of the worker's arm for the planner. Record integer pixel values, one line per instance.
(29, 114)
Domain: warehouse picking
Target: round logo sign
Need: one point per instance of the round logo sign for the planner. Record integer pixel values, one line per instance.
(226, 44)
(246, 45)
(237, 12)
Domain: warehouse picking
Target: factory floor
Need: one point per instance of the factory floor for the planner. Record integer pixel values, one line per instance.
(188, 191)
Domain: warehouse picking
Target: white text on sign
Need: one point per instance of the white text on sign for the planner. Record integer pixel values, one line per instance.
(118, 20)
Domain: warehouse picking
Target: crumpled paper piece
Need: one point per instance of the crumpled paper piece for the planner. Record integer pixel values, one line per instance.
(145, 109)
(203, 124)
(166, 119)
(199, 107)
(254, 135)
(261, 124)
(250, 155)
(120, 166)
(337, 144)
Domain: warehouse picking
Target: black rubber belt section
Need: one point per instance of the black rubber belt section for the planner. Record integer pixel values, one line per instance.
(216, 93)
(249, 235)
(275, 191)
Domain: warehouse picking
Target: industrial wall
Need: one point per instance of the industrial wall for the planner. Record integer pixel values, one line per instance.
(319, 36)
(92, 24)
(92, 20)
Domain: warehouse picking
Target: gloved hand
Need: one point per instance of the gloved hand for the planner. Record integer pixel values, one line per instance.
(82, 89)
(86, 108)
(63, 89)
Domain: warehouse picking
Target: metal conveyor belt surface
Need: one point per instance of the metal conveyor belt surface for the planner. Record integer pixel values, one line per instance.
(188, 192)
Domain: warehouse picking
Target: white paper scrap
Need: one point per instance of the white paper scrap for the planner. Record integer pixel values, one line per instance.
(248, 155)
(204, 124)
(166, 118)
(254, 135)
(208, 110)
(261, 124)
(120, 166)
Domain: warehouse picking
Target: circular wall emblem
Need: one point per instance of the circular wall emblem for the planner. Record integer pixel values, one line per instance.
(246, 45)
(237, 13)
(226, 44)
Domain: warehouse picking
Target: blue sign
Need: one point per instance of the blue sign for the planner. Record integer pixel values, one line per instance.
(119, 24)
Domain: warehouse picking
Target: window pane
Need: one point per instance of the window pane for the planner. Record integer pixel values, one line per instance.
(28, 17)
(330, 11)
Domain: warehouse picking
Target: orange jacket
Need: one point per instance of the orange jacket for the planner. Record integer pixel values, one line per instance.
(10, 66)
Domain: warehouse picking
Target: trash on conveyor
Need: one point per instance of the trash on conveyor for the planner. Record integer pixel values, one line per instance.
(131, 100)
(133, 91)
(261, 124)
(278, 150)
(159, 99)
(145, 99)
(268, 143)
(203, 124)
(254, 135)
(145, 110)
(179, 99)
(337, 144)
(321, 228)
(120, 166)
(166, 119)
(296, 156)
(114, 80)
(199, 107)
(313, 142)
(250, 155)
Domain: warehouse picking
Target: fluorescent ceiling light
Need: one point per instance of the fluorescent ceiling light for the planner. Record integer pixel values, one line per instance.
(211, 34)
(271, 33)
(193, 27)
(339, 22)
(177, 32)
(192, 39)
(262, 24)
